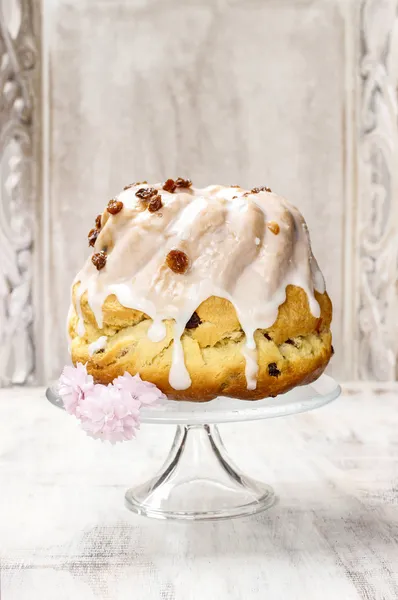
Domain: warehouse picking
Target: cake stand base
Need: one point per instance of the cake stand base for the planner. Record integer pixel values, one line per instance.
(198, 481)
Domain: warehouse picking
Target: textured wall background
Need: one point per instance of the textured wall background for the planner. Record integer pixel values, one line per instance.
(296, 94)
(221, 92)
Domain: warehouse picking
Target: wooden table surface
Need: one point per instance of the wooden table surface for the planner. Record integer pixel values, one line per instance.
(65, 534)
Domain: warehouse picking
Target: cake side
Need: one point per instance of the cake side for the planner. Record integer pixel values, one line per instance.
(294, 351)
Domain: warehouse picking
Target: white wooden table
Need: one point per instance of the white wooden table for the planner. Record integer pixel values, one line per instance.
(65, 534)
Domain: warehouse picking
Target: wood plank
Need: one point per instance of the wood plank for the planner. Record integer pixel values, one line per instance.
(65, 533)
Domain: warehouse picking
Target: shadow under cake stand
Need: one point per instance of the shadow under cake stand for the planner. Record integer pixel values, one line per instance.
(198, 480)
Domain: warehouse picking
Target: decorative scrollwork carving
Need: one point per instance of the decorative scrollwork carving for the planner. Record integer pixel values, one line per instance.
(378, 191)
(17, 63)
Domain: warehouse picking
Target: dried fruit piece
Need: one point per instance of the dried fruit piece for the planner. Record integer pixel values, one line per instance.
(177, 261)
(332, 350)
(183, 183)
(98, 219)
(193, 322)
(99, 260)
(267, 336)
(92, 236)
(273, 370)
(273, 227)
(146, 193)
(114, 206)
(169, 185)
(263, 188)
(291, 342)
(155, 203)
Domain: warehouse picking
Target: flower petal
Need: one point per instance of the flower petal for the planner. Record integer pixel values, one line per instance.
(109, 413)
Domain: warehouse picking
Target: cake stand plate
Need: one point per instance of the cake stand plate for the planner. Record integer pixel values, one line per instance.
(198, 480)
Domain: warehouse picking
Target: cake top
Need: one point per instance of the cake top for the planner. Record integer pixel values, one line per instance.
(165, 248)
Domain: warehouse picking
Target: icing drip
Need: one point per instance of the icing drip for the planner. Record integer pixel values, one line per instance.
(157, 331)
(81, 330)
(232, 255)
(251, 368)
(179, 378)
(99, 344)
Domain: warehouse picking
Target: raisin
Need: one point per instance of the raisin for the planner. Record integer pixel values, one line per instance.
(155, 203)
(263, 188)
(183, 183)
(177, 261)
(273, 370)
(169, 185)
(99, 260)
(332, 350)
(289, 341)
(193, 322)
(92, 237)
(273, 227)
(114, 206)
(267, 336)
(98, 221)
(146, 193)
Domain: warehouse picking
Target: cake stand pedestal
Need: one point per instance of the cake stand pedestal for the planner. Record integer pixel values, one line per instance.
(198, 480)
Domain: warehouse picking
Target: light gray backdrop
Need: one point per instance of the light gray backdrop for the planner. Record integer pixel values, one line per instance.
(295, 94)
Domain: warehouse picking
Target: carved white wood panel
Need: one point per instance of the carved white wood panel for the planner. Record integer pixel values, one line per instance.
(377, 218)
(295, 94)
(18, 56)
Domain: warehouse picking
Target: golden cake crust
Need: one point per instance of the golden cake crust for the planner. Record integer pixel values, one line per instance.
(294, 351)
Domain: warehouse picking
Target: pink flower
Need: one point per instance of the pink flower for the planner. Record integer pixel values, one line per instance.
(74, 384)
(110, 412)
(146, 392)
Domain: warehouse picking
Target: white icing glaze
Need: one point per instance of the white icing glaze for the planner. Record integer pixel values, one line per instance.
(81, 330)
(99, 344)
(251, 367)
(215, 227)
(157, 331)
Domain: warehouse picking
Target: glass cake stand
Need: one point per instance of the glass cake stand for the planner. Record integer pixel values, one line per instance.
(198, 480)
